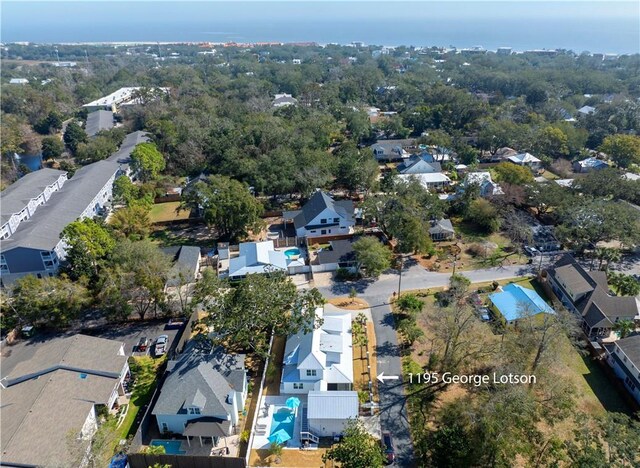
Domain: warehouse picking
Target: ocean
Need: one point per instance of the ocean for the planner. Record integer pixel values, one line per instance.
(578, 26)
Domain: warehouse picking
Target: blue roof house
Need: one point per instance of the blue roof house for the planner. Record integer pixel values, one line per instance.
(514, 301)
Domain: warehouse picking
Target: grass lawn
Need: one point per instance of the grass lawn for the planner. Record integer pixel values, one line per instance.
(290, 458)
(167, 212)
(595, 393)
(145, 370)
(274, 371)
(547, 174)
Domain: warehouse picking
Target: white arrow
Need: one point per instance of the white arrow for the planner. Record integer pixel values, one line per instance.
(383, 377)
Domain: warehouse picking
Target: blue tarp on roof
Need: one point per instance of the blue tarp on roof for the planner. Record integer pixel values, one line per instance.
(514, 299)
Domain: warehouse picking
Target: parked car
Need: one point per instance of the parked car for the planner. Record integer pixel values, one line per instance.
(387, 446)
(143, 344)
(175, 322)
(161, 345)
(532, 251)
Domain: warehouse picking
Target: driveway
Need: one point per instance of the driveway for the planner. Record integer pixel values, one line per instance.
(129, 333)
(393, 412)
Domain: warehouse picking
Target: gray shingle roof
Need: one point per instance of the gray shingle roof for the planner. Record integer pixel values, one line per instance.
(42, 230)
(98, 121)
(187, 261)
(597, 307)
(631, 347)
(318, 202)
(204, 378)
(341, 251)
(15, 197)
(441, 226)
(56, 399)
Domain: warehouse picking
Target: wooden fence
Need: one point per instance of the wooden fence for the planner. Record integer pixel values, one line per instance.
(144, 460)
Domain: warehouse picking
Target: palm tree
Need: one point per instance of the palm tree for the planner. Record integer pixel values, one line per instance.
(624, 327)
(607, 254)
(612, 256)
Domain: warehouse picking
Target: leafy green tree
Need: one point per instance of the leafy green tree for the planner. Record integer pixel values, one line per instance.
(547, 197)
(135, 279)
(372, 255)
(513, 174)
(147, 161)
(623, 149)
(226, 204)
(449, 446)
(245, 315)
(482, 213)
(412, 234)
(356, 170)
(51, 301)
(89, 242)
(52, 147)
(124, 191)
(358, 125)
(552, 142)
(96, 149)
(49, 124)
(592, 221)
(73, 136)
(132, 222)
(357, 449)
(406, 215)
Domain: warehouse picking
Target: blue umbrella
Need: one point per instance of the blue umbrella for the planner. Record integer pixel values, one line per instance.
(292, 402)
(279, 437)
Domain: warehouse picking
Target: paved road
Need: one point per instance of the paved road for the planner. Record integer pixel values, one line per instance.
(393, 416)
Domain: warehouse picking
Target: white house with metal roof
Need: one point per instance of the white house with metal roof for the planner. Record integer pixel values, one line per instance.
(525, 159)
(328, 412)
(321, 360)
(256, 257)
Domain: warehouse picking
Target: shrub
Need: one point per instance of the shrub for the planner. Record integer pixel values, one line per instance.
(343, 274)
(410, 303)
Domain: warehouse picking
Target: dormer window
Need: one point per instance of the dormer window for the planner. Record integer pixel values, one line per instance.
(311, 372)
(194, 410)
(323, 221)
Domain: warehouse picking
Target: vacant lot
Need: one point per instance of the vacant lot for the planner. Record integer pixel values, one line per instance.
(161, 212)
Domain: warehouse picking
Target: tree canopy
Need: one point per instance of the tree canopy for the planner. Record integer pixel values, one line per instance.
(226, 204)
(244, 315)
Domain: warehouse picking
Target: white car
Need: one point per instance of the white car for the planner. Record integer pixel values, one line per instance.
(161, 345)
(531, 251)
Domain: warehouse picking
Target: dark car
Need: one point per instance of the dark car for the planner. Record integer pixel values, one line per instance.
(387, 446)
(143, 344)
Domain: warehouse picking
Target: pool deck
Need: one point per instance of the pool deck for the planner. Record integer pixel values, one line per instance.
(265, 419)
(206, 449)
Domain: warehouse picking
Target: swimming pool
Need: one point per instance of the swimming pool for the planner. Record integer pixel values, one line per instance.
(282, 418)
(292, 254)
(171, 447)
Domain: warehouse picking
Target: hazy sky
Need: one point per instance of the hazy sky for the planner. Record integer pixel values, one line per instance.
(101, 12)
(582, 25)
